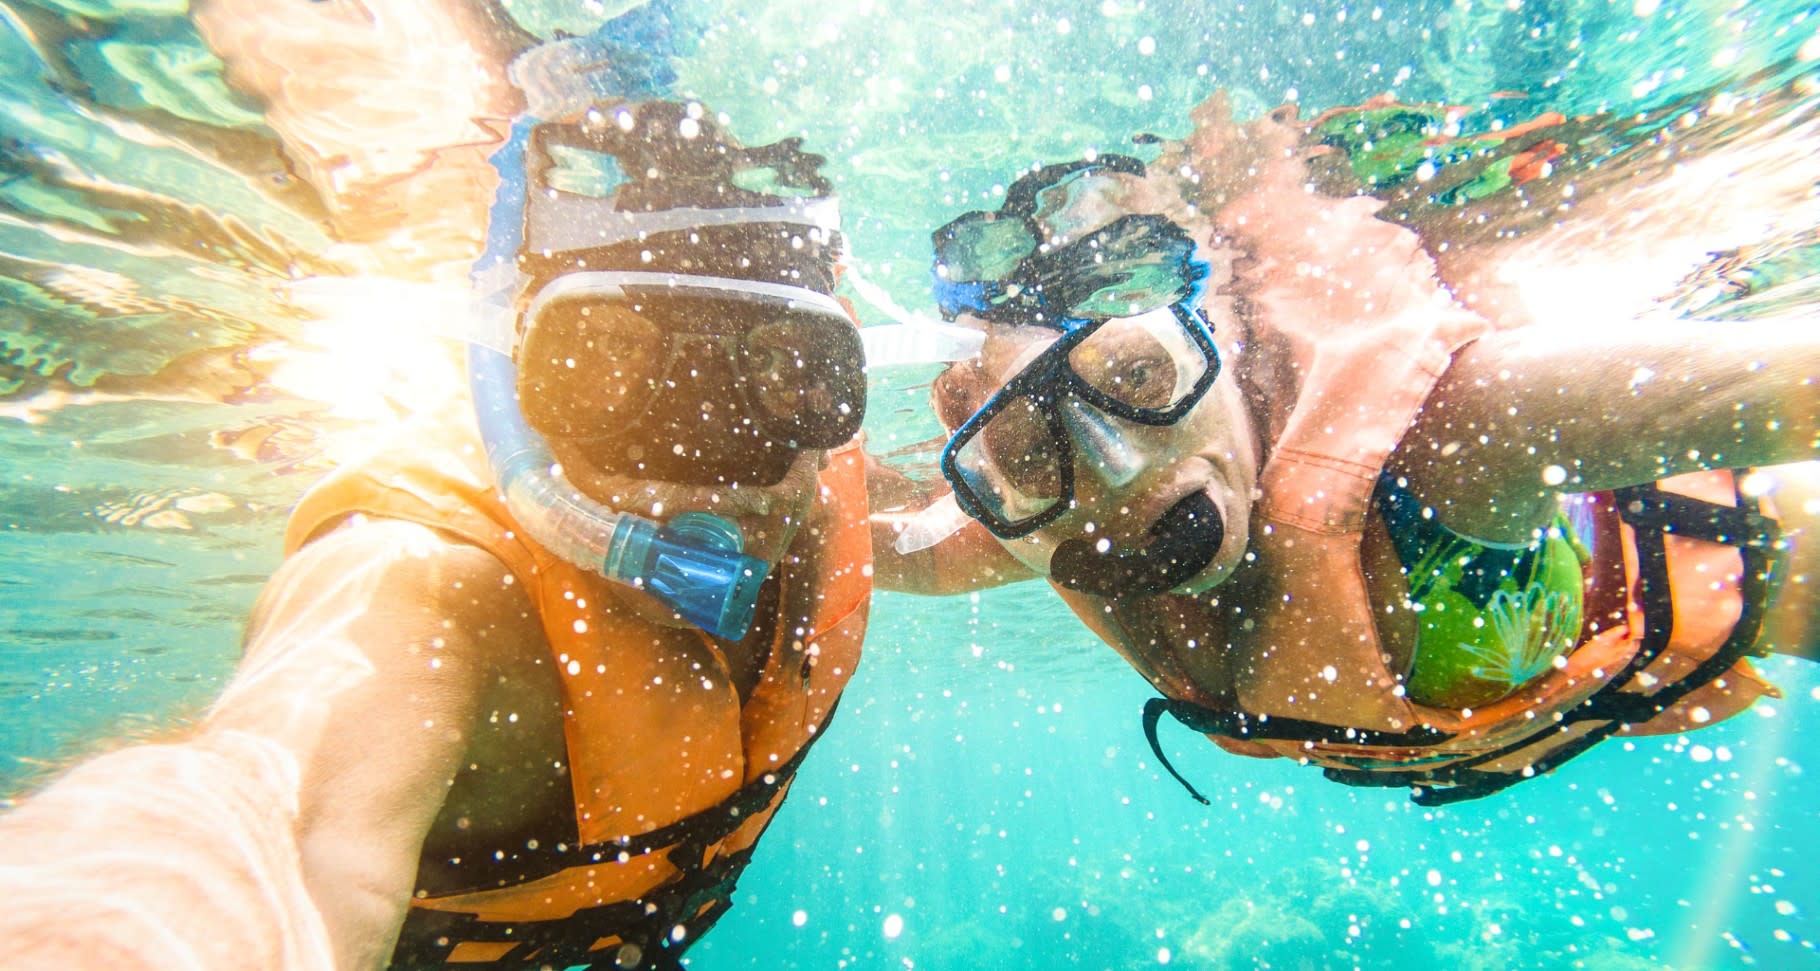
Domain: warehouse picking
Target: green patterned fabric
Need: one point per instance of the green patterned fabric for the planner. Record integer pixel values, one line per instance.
(1491, 617)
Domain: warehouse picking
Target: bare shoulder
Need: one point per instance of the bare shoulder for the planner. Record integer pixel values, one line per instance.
(381, 621)
(395, 573)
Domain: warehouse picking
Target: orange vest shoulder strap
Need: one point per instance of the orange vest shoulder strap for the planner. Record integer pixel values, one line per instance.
(440, 479)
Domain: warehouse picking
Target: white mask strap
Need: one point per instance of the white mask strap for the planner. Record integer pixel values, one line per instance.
(911, 338)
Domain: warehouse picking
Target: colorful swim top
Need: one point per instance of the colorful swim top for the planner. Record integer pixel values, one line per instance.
(1492, 616)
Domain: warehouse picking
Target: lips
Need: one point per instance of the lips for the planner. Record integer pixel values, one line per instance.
(1182, 543)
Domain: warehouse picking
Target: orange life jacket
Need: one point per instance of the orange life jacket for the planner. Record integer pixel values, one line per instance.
(1670, 616)
(674, 778)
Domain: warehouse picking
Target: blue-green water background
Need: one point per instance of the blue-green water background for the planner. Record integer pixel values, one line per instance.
(986, 781)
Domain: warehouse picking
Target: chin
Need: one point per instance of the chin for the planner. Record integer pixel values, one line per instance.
(768, 516)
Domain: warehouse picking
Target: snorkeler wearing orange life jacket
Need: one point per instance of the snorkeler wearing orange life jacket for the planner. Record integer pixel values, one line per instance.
(529, 685)
(1322, 506)
(680, 349)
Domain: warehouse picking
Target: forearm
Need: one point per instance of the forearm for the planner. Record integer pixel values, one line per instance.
(367, 657)
(1753, 400)
(1524, 415)
(286, 832)
(951, 554)
(163, 856)
(902, 572)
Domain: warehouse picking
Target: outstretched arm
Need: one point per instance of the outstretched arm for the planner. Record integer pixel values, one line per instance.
(1524, 415)
(968, 560)
(285, 832)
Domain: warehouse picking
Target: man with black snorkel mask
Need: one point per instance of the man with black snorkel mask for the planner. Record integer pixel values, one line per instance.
(1335, 514)
(1095, 309)
(527, 689)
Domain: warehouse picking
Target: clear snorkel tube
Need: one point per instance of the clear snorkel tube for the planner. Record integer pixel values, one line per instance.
(694, 565)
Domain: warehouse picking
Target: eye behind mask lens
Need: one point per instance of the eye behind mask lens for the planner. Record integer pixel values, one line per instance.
(807, 377)
(587, 365)
(709, 389)
(1147, 361)
(692, 431)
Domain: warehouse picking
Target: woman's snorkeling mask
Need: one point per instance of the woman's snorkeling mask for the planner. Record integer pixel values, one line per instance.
(601, 350)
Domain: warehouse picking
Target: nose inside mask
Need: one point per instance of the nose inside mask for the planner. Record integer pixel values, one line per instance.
(1104, 446)
(1181, 545)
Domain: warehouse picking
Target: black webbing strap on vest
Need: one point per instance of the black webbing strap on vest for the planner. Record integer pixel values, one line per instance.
(692, 902)
(653, 930)
(1653, 516)
(1240, 725)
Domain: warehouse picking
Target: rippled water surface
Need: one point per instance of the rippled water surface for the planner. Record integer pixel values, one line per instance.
(986, 800)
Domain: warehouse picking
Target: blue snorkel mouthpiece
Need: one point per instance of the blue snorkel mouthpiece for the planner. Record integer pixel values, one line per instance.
(694, 566)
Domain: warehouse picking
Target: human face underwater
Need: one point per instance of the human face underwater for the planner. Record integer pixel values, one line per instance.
(695, 380)
(679, 358)
(1093, 435)
(1011, 463)
(666, 394)
(1113, 459)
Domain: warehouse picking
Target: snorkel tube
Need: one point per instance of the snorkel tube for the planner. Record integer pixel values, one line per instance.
(694, 565)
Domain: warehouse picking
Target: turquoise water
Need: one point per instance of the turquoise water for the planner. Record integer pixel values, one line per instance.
(986, 793)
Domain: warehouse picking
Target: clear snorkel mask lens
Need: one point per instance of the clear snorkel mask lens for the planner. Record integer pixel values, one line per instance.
(745, 373)
(1012, 463)
(1065, 253)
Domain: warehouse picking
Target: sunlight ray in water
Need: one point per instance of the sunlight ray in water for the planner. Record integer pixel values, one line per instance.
(378, 351)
